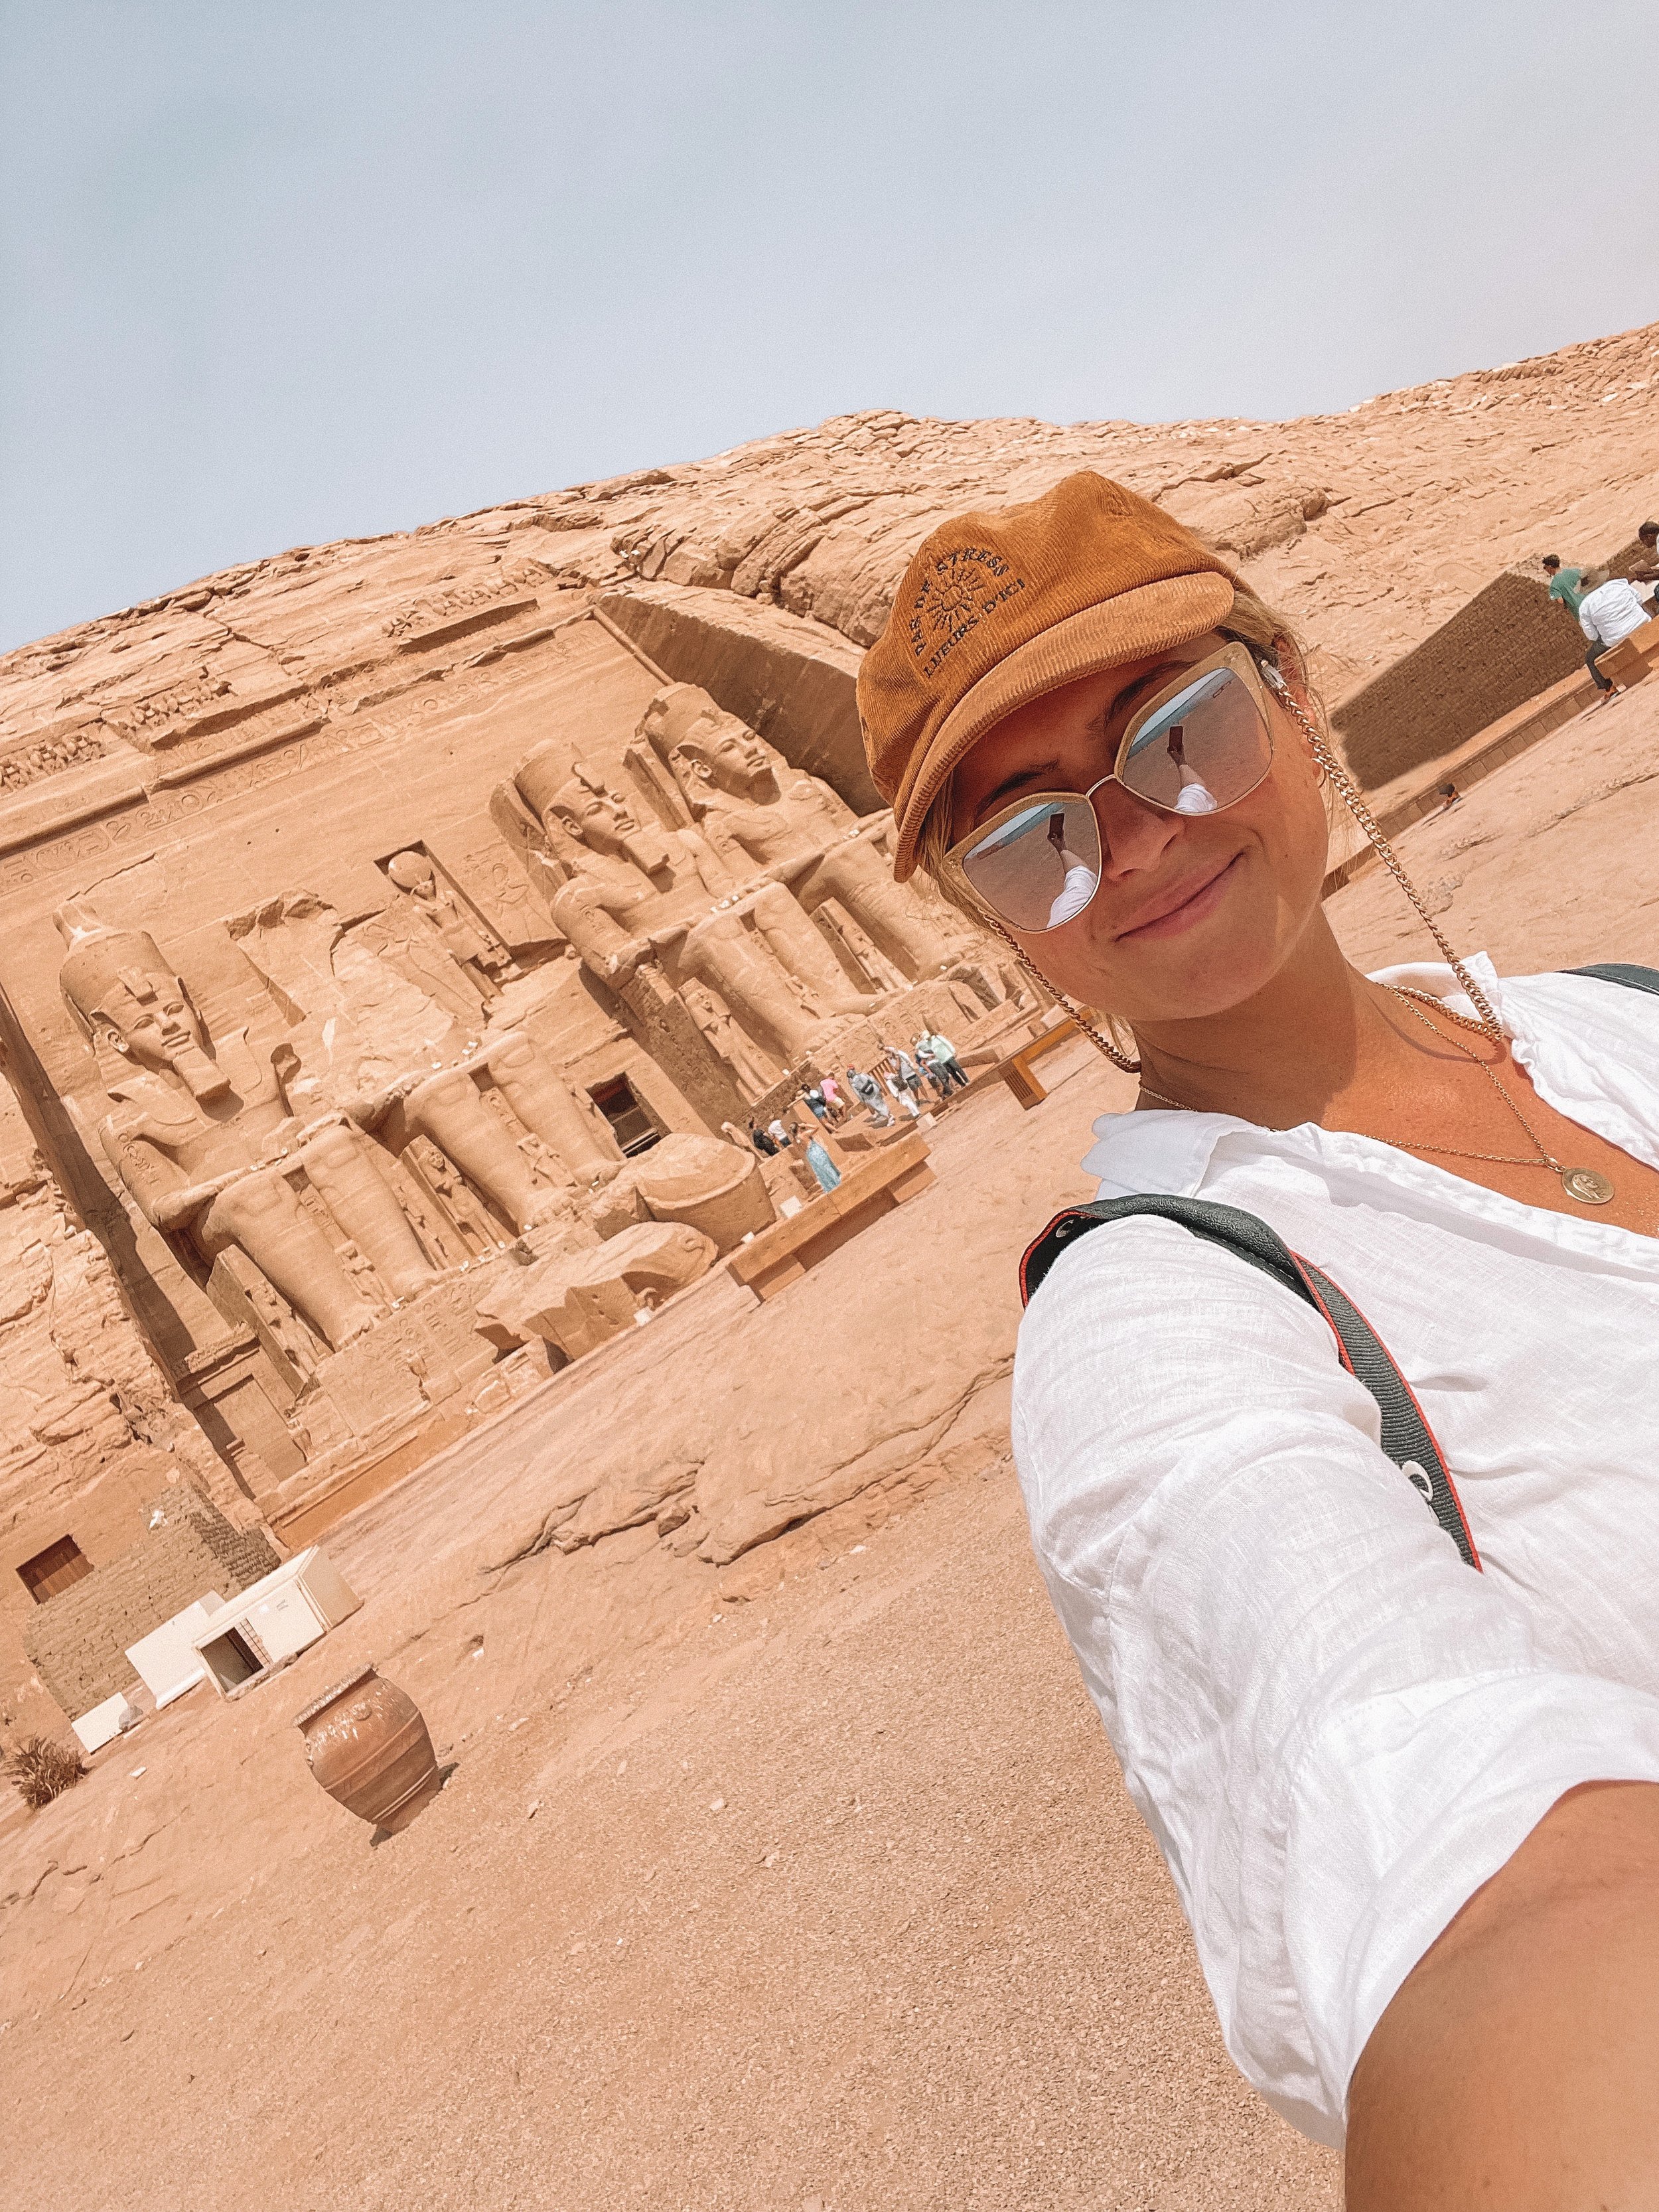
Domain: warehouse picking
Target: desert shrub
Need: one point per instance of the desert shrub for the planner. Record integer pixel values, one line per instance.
(43, 1768)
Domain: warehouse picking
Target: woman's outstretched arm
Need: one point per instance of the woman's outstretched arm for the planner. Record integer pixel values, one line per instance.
(1517, 2064)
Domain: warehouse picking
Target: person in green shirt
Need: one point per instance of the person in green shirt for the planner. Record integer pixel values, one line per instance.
(1567, 586)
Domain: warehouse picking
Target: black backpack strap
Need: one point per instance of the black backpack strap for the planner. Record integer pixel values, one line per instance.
(1621, 971)
(1406, 1437)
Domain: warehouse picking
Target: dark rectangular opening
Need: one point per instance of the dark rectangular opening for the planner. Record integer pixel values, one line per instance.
(631, 1124)
(234, 1659)
(54, 1569)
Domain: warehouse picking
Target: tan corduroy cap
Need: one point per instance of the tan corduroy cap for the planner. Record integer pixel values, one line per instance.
(998, 607)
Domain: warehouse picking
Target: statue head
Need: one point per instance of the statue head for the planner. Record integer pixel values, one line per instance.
(707, 749)
(586, 808)
(128, 1001)
(411, 871)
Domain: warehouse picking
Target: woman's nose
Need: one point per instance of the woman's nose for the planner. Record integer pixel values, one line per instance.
(1132, 835)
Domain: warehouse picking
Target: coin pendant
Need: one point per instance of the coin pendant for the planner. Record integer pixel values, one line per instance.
(1588, 1185)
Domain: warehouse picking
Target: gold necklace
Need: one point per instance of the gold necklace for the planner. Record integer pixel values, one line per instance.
(1587, 1186)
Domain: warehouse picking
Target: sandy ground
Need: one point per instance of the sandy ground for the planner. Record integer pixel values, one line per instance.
(808, 1879)
(1549, 863)
(830, 1893)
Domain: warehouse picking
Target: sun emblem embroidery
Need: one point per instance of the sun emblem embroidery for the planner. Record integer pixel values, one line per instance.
(952, 597)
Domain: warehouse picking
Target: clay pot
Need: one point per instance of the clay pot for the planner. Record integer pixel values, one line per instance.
(368, 1745)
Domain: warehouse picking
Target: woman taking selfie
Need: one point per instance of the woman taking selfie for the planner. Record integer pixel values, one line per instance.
(1334, 1415)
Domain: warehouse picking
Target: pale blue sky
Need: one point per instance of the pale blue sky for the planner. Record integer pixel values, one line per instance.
(273, 272)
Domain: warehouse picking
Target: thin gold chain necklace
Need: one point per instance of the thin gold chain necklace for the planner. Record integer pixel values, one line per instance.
(1586, 1186)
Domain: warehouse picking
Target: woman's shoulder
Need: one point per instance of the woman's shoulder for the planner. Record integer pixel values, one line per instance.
(1141, 1302)
(1149, 1356)
(1617, 996)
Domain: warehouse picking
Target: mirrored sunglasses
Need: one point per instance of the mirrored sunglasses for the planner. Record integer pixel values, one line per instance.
(1202, 744)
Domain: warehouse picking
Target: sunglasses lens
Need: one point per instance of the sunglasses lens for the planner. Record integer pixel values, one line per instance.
(1040, 867)
(1203, 748)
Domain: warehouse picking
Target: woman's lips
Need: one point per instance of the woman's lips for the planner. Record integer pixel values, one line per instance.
(1191, 906)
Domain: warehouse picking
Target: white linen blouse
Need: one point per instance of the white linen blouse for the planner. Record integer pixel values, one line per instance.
(1334, 1728)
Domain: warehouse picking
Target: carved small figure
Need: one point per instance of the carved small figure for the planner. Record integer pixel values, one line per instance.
(483, 956)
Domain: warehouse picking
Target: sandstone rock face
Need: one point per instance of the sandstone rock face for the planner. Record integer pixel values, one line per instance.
(377, 913)
(90, 1428)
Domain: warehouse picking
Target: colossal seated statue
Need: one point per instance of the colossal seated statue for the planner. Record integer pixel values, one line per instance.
(760, 815)
(369, 1043)
(202, 1135)
(547, 1107)
(625, 892)
(448, 1108)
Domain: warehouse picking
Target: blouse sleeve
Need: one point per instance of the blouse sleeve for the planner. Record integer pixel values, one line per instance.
(1335, 1729)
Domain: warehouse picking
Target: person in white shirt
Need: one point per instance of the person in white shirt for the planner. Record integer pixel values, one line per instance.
(1402, 1764)
(1078, 881)
(1610, 611)
(1194, 796)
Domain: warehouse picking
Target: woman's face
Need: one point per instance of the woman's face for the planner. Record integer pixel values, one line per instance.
(1196, 912)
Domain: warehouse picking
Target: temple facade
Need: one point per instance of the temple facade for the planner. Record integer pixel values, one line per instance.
(376, 1049)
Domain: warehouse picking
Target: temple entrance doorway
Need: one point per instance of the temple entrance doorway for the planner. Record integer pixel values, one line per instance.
(632, 1123)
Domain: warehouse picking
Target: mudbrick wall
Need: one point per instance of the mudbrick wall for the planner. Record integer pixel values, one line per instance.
(77, 1640)
(1511, 642)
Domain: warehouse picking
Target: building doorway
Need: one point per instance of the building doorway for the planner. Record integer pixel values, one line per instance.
(632, 1124)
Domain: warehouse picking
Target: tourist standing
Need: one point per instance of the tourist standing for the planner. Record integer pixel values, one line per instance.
(868, 1091)
(934, 1077)
(783, 1132)
(942, 1054)
(906, 1071)
(899, 1094)
(761, 1142)
(1567, 589)
(818, 1158)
